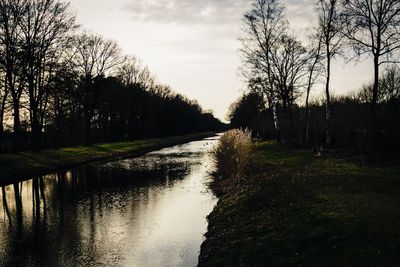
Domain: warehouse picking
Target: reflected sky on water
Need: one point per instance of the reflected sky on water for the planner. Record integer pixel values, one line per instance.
(147, 211)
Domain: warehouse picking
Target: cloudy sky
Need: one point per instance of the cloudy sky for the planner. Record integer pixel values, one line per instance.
(193, 45)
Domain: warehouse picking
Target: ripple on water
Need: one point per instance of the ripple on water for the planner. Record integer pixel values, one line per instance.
(147, 211)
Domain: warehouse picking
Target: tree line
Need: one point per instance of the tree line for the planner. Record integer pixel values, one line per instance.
(282, 73)
(64, 86)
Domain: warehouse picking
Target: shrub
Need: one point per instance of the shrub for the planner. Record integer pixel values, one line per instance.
(232, 153)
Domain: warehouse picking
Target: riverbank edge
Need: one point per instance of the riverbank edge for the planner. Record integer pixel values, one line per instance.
(27, 165)
(297, 209)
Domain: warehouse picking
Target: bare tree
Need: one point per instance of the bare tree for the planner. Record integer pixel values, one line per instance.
(289, 70)
(94, 56)
(289, 67)
(11, 15)
(62, 100)
(263, 25)
(373, 27)
(389, 85)
(315, 59)
(132, 72)
(330, 28)
(45, 27)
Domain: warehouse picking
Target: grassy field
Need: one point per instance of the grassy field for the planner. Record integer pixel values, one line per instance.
(15, 167)
(294, 209)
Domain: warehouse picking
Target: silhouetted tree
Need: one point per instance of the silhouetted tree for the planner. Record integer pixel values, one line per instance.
(132, 72)
(264, 25)
(94, 56)
(373, 27)
(62, 85)
(275, 61)
(289, 62)
(248, 112)
(63, 108)
(44, 28)
(389, 87)
(277, 68)
(314, 71)
(330, 30)
(12, 13)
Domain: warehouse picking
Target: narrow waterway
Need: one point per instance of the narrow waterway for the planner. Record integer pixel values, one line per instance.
(147, 211)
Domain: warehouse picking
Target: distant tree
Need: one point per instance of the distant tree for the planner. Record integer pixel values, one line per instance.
(72, 88)
(112, 108)
(164, 91)
(63, 102)
(330, 28)
(389, 87)
(94, 56)
(246, 112)
(373, 27)
(365, 93)
(132, 72)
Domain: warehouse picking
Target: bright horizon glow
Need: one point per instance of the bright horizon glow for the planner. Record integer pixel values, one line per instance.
(193, 45)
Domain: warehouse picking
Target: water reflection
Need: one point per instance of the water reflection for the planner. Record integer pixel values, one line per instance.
(149, 211)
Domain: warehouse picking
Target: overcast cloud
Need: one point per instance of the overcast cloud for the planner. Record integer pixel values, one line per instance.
(215, 12)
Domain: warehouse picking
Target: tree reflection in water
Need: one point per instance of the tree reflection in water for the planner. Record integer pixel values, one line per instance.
(107, 213)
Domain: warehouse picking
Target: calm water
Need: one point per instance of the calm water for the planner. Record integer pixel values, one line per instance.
(148, 211)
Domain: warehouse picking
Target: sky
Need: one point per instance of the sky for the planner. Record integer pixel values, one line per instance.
(193, 45)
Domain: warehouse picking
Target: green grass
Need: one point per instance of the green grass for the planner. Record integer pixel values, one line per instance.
(294, 209)
(15, 167)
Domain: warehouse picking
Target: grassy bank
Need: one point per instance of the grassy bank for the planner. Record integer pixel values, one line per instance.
(15, 167)
(295, 209)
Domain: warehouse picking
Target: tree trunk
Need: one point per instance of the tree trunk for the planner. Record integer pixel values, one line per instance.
(1, 128)
(88, 109)
(87, 129)
(36, 128)
(328, 102)
(1, 137)
(375, 88)
(275, 118)
(373, 131)
(58, 119)
(36, 135)
(306, 132)
(2, 110)
(292, 137)
(16, 127)
(307, 120)
(57, 124)
(273, 99)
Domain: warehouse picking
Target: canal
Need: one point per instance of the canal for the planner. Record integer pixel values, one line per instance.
(146, 211)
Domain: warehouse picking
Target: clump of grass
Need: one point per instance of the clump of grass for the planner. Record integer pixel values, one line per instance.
(232, 154)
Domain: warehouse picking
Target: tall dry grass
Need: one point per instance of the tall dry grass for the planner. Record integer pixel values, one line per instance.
(232, 153)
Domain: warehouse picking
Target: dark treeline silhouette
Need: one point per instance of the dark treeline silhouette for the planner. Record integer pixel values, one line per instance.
(282, 72)
(350, 124)
(63, 87)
